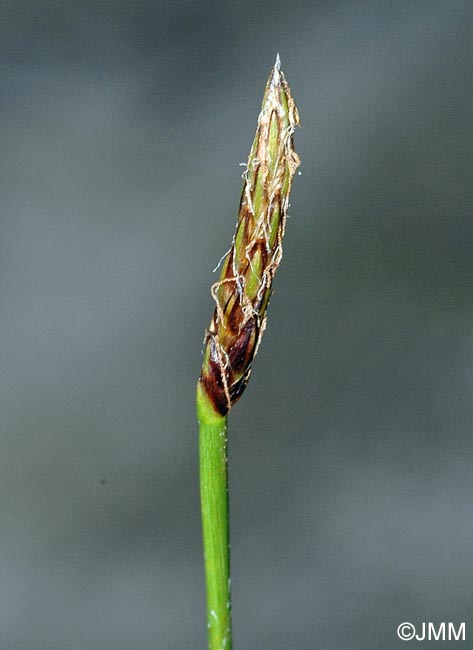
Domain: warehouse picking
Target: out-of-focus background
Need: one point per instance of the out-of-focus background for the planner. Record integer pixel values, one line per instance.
(351, 453)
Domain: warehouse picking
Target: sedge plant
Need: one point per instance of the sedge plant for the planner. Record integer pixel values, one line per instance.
(241, 297)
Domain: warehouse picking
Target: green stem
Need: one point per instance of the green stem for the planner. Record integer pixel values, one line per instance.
(215, 524)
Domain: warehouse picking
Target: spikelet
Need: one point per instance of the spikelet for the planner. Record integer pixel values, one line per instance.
(243, 291)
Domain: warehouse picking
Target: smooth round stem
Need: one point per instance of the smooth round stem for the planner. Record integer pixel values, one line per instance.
(215, 525)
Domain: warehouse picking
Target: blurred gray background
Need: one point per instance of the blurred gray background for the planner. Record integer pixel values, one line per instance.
(351, 453)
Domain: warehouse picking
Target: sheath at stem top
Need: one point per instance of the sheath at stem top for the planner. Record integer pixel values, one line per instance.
(243, 291)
